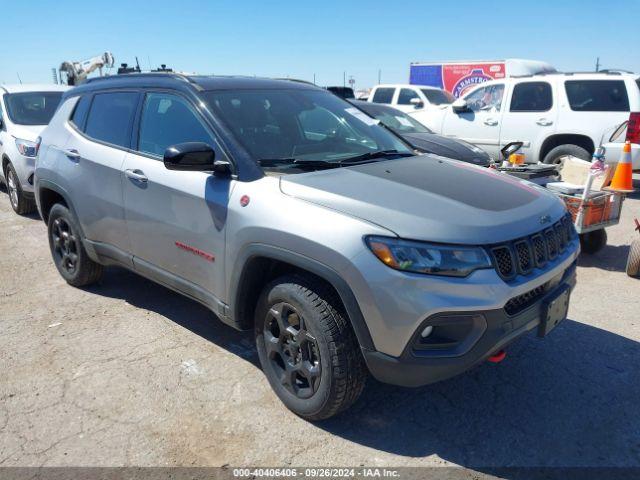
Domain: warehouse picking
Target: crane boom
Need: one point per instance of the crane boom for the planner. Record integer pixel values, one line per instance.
(77, 72)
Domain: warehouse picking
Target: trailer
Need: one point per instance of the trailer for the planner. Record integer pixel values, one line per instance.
(457, 77)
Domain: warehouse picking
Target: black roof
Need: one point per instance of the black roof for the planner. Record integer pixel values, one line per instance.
(191, 82)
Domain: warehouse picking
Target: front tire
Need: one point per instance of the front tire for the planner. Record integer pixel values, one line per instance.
(307, 348)
(554, 157)
(68, 253)
(19, 202)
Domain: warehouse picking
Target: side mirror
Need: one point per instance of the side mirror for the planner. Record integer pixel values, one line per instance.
(619, 131)
(194, 157)
(460, 105)
(510, 148)
(416, 102)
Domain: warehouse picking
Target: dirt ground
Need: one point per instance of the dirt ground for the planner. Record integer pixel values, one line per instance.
(129, 373)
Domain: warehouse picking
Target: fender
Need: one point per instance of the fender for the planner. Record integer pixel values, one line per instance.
(63, 193)
(305, 263)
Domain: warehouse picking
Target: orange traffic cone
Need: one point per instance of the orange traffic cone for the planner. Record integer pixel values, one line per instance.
(623, 178)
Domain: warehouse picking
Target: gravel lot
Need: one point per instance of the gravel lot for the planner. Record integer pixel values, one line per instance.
(129, 373)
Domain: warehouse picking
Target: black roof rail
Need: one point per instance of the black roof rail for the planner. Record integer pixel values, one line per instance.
(178, 76)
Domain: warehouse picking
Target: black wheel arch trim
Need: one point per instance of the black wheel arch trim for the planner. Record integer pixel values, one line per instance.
(47, 185)
(305, 263)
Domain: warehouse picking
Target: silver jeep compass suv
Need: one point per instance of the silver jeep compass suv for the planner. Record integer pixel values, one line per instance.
(286, 210)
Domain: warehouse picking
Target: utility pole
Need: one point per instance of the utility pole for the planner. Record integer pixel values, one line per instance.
(344, 79)
(597, 64)
(314, 78)
(379, 76)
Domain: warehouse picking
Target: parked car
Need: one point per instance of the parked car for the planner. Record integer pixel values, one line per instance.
(409, 98)
(24, 112)
(629, 132)
(423, 139)
(288, 211)
(343, 92)
(555, 114)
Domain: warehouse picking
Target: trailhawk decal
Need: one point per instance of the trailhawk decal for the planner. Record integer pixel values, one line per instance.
(196, 251)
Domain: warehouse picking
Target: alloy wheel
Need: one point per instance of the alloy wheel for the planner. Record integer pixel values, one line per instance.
(65, 245)
(12, 186)
(292, 350)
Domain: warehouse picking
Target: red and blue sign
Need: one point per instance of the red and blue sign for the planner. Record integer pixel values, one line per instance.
(456, 78)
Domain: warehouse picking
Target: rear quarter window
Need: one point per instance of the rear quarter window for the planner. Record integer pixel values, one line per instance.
(597, 95)
(383, 95)
(80, 111)
(110, 116)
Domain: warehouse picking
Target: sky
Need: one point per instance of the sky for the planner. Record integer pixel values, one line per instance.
(326, 39)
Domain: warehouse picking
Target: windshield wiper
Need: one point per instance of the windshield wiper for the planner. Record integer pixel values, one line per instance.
(276, 162)
(378, 154)
(356, 159)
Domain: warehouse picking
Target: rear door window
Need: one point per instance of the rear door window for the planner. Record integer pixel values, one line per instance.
(110, 117)
(531, 97)
(383, 95)
(597, 95)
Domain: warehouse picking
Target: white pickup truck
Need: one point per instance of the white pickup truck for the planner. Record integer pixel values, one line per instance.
(555, 114)
(410, 98)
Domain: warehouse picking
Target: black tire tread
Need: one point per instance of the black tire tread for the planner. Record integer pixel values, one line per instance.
(349, 372)
(25, 205)
(89, 272)
(633, 260)
(566, 149)
(593, 242)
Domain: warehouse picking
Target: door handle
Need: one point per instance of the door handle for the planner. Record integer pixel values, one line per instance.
(544, 122)
(71, 154)
(137, 175)
(491, 122)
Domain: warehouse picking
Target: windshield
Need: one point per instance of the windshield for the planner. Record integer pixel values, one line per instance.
(438, 97)
(32, 108)
(306, 125)
(398, 121)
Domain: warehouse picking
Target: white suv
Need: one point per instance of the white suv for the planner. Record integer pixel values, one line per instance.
(410, 98)
(24, 112)
(555, 114)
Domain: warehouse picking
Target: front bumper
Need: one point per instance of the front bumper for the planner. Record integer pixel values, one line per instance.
(492, 330)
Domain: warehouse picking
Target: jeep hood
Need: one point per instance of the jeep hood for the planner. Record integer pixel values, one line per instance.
(430, 198)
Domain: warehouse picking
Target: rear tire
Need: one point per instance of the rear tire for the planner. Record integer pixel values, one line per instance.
(67, 250)
(593, 242)
(307, 348)
(19, 202)
(633, 260)
(555, 154)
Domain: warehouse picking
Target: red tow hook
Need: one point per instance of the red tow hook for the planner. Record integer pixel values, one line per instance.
(497, 357)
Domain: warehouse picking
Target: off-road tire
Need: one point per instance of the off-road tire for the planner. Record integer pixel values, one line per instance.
(593, 242)
(20, 203)
(555, 154)
(63, 229)
(343, 372)
(633, 260)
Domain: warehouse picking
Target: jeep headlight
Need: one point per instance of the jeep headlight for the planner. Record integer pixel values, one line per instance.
(429, 258)
(27, 148)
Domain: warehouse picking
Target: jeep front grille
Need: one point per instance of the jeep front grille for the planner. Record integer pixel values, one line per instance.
(521, 256)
